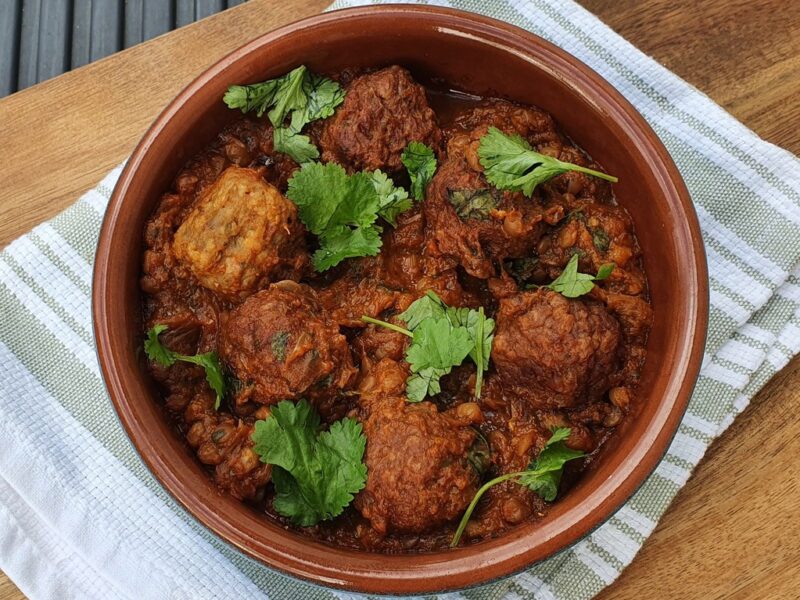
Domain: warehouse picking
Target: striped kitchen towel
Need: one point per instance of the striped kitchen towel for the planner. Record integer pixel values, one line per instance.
(80, 515)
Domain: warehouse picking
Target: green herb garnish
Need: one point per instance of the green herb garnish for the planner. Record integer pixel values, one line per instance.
(316, 474)
(392, 200)
(472, 204)
(278, 344)
(420, 161)
(511, 164)
(301, 96)
(442, 337)
(600, 240)
(572, 284)
(542, 477)
(342, 210)
(295, 144)
(165, 357)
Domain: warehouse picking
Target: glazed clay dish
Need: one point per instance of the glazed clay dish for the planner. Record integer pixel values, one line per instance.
(437, 255)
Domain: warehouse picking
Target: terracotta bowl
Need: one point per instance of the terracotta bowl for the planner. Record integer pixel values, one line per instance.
(468, 53)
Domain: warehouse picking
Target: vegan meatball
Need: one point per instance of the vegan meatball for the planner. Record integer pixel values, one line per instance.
(599, 234)
(418, 460)
(281, 344)
(566, 349)
(240, 234)
(472, 223)
(420, 474)
(382, 112)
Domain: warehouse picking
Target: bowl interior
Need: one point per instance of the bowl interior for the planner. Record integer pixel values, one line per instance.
(470, 54)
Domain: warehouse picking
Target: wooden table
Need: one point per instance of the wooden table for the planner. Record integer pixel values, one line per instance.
(733, 531)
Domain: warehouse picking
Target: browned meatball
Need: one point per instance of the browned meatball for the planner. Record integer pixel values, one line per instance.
(600, 234)
(564, 348)
(381, 114)
(531, 123)
(419, 470)
(240, 234)
(224, 442)
(355, 294)
(469, 221)
(281, 344)
(541, 132)
(475, 225)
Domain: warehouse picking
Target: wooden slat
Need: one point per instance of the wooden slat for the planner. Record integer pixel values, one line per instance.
(206, 8)
(44, 40)
(188, 11)
(96, 30)
(184, 12)
(145, 19)
(29, 44)
(81, 33)
(10, 17)
(55, 33)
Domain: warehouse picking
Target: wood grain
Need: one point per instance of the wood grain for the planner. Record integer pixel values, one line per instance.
(60, 137)
(732, 531)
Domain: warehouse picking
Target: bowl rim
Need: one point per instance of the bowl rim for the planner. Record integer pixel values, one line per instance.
(439, 571)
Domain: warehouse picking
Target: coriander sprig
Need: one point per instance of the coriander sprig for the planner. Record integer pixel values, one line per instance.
(542, 476)
(301, 96)
(165, 357)
(420, 161)
(572, 284)
(342, 210)
(316, 474)
(511, 164)
(442, 337)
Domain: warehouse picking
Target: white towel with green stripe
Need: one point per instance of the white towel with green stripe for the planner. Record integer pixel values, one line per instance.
(80, 515)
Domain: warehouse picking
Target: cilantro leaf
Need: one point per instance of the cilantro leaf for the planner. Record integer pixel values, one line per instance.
(442, 337)
(424, 382)
(317, 190)
(290, 95)
(300, 95)
(341, 242)
(604, 272)
(436, 347)
(542, 477)
(429, 305)
(155, 351)
(340, 209)
(165, 357)
(214, 375)
(316, 474)
(392, 200)
(478, 326)
(257, 97)
(572, 284)
(511, 164)
(437, 343)
(482, 335)
(296, 145)
(323, 94)
(544, 472)
(420, 161)
(472, 204)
